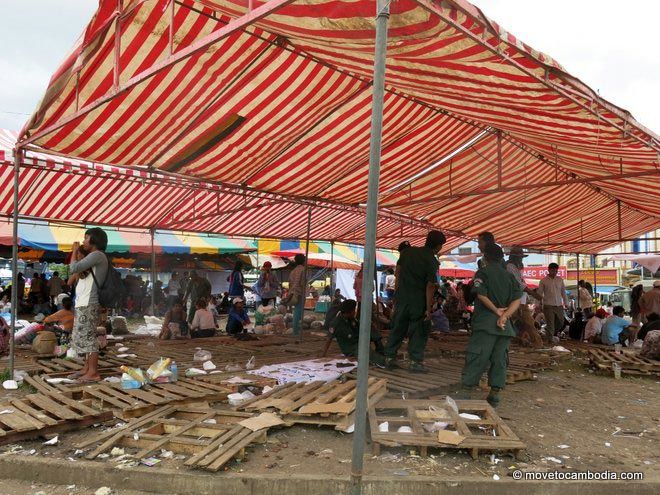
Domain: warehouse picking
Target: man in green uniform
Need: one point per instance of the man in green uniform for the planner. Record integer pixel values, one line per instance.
(346, 329)
(497, 299)
(416, 284)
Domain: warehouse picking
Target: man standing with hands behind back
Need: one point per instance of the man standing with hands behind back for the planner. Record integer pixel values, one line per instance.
(416, 285)
(554, 300)
(88, 263)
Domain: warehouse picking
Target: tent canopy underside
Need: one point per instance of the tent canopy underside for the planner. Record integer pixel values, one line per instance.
(254, 118)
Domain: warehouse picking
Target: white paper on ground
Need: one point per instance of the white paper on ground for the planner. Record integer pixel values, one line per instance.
(208, 365)
(469, 416)
(52, 441)
(56, 381)
(10, 385)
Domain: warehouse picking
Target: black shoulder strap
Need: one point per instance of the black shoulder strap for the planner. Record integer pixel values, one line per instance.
(107, 272)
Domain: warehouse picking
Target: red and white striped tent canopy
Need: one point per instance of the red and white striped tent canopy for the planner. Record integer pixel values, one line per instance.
(272, 106)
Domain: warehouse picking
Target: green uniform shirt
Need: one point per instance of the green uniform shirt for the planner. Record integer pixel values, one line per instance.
(418, 266)
(347, 333)
(501, 287)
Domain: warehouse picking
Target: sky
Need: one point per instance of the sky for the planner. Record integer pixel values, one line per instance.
(610, 45)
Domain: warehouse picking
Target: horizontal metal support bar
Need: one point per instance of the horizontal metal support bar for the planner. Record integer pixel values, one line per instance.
(526, 187)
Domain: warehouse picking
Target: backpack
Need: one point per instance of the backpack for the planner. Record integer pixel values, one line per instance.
(112, 292)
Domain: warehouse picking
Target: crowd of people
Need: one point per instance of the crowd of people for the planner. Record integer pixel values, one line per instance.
(503, 308)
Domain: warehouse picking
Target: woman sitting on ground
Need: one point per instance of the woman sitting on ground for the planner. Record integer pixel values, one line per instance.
(238, 318)
(203, 324)
(175, 325)
(63, 319)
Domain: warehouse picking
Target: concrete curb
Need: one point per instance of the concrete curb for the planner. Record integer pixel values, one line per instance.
(171, 481)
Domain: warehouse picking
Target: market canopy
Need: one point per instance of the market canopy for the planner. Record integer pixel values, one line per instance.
(268, 112)
(61, 238)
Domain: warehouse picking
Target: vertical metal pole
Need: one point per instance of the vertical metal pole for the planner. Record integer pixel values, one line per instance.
(18, 155)
(577, 291)
(332, 269)
(596, 283)
(304, 296)
(499, 159)
(382, 16)
(153, 274)
(618, 215)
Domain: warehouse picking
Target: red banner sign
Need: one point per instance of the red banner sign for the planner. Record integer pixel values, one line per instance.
(606, 276)
(539, 272)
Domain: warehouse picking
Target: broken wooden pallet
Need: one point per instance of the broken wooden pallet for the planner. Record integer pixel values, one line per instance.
(322, 403)
(488, 433)
(136, 402)
(45, 413)
(211, 437)
(631, 363)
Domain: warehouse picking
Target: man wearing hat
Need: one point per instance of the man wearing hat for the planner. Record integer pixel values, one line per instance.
(650, 301)
(416, 285)
(498, 298)
(523, 319)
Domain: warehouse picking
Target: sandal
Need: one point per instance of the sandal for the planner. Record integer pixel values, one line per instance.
(75, 375)
(88, 380)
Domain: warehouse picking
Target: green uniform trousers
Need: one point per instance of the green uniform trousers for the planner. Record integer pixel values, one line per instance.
(409, 321)
(486, 351)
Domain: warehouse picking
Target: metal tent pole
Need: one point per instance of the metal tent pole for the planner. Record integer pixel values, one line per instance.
(304, 295)
(382, 16)
(577, 291)
(596, 282)
(18, 153)
(332, 269)
(153, 274)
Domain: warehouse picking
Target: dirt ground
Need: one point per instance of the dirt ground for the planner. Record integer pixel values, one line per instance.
(13, 487)
(570, 418)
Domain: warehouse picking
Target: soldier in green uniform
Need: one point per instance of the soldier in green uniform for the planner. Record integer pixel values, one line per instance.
(346, 329)
(416, 284)
(497, 299)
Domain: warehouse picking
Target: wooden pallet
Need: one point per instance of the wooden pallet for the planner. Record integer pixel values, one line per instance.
(489, 433)
(42, 414)
(134, 403)
(630, 362)
(211, 437)
(319, 403)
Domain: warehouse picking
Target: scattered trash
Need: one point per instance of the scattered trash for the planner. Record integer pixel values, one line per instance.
(160, 371)
(233, 367)
(112, 379)
(132, 378)
(384, 427)
(562, 446)
(350, 429)
(166, 454)
(250, 364)
(194, 372)
(469, 416)
(608, 444)
(201, 355)
(210, 421)
(122, 349)
(496, 477)
(553, 459)
(209, 366)
(452, 404)
(136, 436)
(10, 385)
(104, 490)
(6, 411)
(116, 451)
(56, 381)
(52, 441)
(559, 348)
(237, 398)
(569, 411)
(150, 461)
(400, 473)
(404, 429)
(436, 426)
(325, 452)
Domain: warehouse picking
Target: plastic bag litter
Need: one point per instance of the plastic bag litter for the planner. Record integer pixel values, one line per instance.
(384, 427)
(233, 367)
(250, 363)
(434, 427)
(452, 404)
(404, 429)
(201, 355)
(470, 416)
(10, 385)
(236, 399)
(159, 368)
(195, 371)
(559, 348)
(209, 366)
(153, 320)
